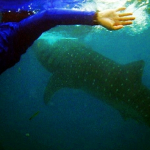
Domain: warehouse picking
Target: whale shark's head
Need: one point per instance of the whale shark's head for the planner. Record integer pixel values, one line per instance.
(51, 54)
(45, 54)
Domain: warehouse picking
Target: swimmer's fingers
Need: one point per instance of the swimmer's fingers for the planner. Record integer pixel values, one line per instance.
(125, 14)
(126, 18)
(126, 22)
(117, 27)
(121, 25)
(120, 9)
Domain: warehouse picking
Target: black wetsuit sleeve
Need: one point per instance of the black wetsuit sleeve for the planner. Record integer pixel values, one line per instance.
(16, 38)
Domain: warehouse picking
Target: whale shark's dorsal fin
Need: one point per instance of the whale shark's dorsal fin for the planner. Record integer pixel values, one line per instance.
(134, 71)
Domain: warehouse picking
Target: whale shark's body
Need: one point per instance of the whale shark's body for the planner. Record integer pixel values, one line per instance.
(77, 66)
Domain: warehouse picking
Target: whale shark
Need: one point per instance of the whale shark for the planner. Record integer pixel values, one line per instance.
(75, 65)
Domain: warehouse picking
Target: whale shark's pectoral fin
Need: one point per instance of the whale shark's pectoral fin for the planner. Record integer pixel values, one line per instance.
(56, 82)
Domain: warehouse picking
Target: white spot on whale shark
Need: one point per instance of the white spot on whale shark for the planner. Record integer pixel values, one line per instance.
(74, 65)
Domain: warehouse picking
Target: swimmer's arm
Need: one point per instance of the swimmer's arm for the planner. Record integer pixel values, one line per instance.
(47, 19)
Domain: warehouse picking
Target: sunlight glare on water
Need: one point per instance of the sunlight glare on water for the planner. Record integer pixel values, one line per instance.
(142, 21)
(139, 9)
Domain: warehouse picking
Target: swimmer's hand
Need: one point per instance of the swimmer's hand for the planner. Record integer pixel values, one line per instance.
(112, 20)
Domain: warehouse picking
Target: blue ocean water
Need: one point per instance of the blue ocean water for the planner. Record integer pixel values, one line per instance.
(74, 120)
